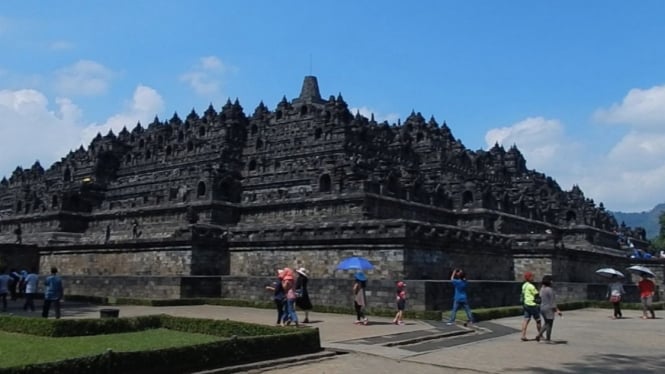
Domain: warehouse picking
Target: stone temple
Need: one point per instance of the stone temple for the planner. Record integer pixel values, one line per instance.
(197, 206)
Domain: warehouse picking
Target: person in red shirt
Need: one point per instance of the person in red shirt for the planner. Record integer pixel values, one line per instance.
(400, 297)
(647, 289)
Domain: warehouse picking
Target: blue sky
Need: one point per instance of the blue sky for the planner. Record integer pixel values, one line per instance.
(578, 86)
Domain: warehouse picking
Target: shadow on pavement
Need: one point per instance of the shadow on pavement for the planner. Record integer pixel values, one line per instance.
(607, 364)
(68, 309)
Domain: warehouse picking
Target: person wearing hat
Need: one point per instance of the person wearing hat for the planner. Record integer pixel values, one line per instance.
(302, 294)
(530, 304)
(53, 293)
(359, 300)
(400, 297)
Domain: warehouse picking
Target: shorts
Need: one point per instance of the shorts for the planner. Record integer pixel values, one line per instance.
(401, 304)
(531, 311)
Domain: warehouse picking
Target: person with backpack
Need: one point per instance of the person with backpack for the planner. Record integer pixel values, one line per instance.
(530, 304)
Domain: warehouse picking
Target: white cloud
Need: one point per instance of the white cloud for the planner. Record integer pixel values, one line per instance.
(85, 77)
(33, 130)
(205, 78)
(145, 104)
(639, 108)
(628, 175)
(378, 117)
(542, 141)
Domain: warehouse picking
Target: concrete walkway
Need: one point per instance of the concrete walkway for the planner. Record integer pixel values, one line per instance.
(585, 341)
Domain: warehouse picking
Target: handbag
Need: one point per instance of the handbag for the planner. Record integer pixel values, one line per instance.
(537, 299)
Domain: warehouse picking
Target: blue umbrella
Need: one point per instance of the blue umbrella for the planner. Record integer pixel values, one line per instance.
(360, 276)
(355, 263)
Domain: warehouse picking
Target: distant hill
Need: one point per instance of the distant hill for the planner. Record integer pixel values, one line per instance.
(648, 220)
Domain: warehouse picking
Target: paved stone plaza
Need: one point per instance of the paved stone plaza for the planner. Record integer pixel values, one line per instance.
(585, 341)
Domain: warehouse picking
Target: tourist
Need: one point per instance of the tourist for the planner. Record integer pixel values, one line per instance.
(530, 298)
(302, 294)
(21, 282)
(13, 285)
(548, 308)
(615, 292)
(647, 289)
(460, 298)
(18, 232)
(5, 280)
(359, 298)
(279, 296)
(53, 293)
(400, 297)
(30, 282)
(288, 283)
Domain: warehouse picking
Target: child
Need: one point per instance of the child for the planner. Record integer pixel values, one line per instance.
(400, 297)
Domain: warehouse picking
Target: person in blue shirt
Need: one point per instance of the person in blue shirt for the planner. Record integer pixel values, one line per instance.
(53, 293)
(458, 279)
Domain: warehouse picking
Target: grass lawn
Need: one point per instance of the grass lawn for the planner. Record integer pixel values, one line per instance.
(20, 349)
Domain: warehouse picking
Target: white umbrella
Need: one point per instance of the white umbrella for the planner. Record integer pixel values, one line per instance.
(641, 270)
(609, 273)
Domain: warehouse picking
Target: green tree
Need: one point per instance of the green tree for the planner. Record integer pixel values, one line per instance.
(659, 242)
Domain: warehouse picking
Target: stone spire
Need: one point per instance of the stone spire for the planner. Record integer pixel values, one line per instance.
(310, 90)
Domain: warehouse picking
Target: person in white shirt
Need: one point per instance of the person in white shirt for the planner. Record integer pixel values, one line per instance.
(31, 281)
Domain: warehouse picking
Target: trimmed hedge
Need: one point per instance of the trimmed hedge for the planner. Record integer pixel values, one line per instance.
(246, 342)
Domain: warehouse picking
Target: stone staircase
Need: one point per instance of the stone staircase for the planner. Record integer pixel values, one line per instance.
(405, 344)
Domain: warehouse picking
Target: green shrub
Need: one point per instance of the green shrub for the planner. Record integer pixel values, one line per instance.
(247, 342)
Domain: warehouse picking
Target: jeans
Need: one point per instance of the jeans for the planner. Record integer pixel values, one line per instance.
(291, 311)
(467, 309)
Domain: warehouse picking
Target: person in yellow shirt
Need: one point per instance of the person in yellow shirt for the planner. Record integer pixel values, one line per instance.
(530, 304)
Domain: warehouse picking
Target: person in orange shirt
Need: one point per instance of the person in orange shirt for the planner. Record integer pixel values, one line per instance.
(647, 289)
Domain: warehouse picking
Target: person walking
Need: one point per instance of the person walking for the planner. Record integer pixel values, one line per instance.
(647, 290)
(548, 308)
(359, 299)
(400, 297)
(302, 293)
(53, 293)
(13, 285)
(288, 283)
(458, 278)
(279, 296)
(615, 292)
(530, 307)
(5, 281)
(30, 281)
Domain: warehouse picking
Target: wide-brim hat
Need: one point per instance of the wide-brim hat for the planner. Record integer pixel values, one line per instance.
(303, 271)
